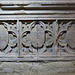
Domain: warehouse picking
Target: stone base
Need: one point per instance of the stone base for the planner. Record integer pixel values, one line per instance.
(37, 68)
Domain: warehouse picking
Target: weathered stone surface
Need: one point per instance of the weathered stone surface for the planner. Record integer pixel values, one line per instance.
(37, 68)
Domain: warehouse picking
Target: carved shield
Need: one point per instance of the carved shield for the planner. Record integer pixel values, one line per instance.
(37, 37)
(71, 36)
(3, 37)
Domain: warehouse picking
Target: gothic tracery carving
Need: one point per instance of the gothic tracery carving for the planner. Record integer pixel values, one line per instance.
(37, 37)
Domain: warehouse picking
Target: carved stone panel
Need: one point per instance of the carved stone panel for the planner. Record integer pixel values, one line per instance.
(36, 36)
(37, 30)
(66, 38)
(37, 40)
(8, 39)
